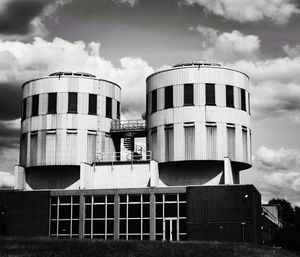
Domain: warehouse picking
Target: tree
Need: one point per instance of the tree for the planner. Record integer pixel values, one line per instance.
(287, 211)
(288, 237)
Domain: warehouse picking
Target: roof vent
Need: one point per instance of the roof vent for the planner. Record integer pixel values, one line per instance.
(197, 63)
(77, 74)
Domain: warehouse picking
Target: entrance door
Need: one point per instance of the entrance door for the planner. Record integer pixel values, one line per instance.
(170, 229)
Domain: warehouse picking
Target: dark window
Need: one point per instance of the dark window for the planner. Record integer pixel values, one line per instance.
(168, 97)
(154, 100)
(24, 107)
(243, 99)
(188, 94)
(108, 107)
(210, 94)
(52, 99)
(72, 107)
(35, 105)
(229, 96)
(92, 104)
(118, 110)
(249, 103)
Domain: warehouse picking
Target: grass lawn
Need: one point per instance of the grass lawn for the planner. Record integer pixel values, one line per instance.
(46, 247)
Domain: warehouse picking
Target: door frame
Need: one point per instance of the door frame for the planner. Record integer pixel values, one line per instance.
(171, 220)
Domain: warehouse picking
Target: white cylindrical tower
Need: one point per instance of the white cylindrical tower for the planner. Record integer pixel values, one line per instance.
(66, 120)
(198, 113)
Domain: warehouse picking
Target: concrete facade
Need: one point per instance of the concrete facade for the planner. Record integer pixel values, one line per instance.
(65, 122)
(206, 120)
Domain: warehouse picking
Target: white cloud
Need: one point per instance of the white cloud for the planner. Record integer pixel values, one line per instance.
(278, 81)
(227, 46)
(6, 180)
(279, 11)
(292, 51)
(130, 2)
(233, 46)
(279, 173)
(41, 57)
(210, 34)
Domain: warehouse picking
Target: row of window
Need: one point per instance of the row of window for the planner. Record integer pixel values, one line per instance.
(50, 147)
(188, 98)
(189, 142)
(72, 105)
(133, 218)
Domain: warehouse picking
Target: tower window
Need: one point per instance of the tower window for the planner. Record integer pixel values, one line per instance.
(92, 104)
(188, 94)
(243, 99)
(118, 110)
(210, 94)
(169, 142)
(229, 96)
(72, 105)
(35, 105)
(24, 107)
(189, 135)
(108, 107)
(168, 97)
(52, 100)
(231, 141)
(211, 139)
(154, 100)
(249, 103)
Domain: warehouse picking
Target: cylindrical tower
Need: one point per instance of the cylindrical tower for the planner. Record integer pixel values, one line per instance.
(198, 113)
(66, 120)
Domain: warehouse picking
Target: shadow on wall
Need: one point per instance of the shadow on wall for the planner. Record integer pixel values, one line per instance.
(52, 177)
(195, 172)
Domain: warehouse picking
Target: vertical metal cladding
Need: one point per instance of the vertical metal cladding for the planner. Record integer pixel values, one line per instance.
(66, 118)
(24, 213)
(224, 213)
(199, 111)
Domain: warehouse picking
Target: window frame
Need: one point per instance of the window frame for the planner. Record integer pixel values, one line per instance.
(108, 107)
(186, 96)
(208, 96)
(35, 105)
(92, 104)
(24, 109)
(229, 96)
(243, 100)
(169, 99)
(154, 103)
(71, 108)
(52, 107)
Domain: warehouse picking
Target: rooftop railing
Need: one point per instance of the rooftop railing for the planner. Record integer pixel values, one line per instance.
(128, 125)
(124, 156)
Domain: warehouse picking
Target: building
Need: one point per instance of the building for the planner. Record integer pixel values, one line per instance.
(82, 173)
(271, 221)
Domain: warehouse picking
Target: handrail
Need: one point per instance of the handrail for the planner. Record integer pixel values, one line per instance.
(119, 125)
(124, 156)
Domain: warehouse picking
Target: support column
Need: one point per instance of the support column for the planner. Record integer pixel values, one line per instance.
(19, 179)
(81, 216)
(152, 215)
(228, 176)
(116, 216)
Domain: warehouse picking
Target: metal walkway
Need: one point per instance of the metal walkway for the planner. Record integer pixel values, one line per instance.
(125, 128)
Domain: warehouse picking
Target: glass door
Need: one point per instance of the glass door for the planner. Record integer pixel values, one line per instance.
(170, 229)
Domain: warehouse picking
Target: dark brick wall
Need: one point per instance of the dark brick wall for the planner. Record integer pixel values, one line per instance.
(24, 213)
(224, 213)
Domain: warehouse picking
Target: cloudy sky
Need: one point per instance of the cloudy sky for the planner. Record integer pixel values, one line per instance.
(126, 40)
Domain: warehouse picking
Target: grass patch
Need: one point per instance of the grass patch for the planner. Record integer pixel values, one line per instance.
(47, 247)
